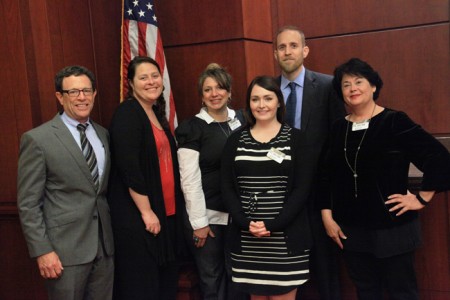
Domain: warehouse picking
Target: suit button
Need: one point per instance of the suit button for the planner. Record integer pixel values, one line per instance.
(94, 217)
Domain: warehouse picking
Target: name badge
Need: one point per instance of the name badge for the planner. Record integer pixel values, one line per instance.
(360, 126)
(276, 155)
(234, 124)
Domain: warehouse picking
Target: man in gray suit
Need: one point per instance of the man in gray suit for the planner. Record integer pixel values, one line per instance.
(61, 194)
(315, 109)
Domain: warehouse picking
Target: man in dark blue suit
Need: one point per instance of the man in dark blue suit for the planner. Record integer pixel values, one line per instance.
(316, 107)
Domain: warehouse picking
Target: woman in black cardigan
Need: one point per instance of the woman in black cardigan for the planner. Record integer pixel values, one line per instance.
(266, 174)
(367, 208)
(144, 194)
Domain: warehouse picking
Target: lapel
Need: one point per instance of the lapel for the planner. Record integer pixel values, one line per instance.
(63, 134)
(308, 98)
(105, 141)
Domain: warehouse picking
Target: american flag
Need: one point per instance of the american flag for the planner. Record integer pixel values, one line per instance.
(141, 37)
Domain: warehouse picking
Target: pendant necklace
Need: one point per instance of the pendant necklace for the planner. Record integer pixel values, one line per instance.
(227, 132)
(353, 169)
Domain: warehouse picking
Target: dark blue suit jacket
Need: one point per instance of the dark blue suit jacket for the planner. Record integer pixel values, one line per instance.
(321, 107)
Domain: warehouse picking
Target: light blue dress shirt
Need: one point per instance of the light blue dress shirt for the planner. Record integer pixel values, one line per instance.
(93, 138)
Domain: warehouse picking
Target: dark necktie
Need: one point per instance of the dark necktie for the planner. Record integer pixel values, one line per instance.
(291, 105)
(88, 153)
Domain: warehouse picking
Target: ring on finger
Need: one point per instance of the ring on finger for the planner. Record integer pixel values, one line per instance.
(196, 239)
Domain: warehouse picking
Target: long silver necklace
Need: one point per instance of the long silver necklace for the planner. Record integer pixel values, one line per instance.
(353, 169)
(227, 132)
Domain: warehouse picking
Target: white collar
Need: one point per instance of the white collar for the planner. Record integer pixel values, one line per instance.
(203, 115)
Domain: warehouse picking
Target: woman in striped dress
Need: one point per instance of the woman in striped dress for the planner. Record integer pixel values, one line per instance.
(266, 180)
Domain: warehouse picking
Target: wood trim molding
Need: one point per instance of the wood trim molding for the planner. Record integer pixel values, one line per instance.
(8, 208)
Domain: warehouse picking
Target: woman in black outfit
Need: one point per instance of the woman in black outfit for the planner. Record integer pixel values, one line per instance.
(201, 140)
(144, 193)
(367, 208)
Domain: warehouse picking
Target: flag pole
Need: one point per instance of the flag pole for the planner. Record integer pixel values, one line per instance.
(121, 53)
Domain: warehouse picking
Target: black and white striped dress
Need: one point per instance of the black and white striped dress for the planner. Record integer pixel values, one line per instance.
(265, 266)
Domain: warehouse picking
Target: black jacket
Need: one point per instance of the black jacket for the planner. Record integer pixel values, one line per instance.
(135, 165)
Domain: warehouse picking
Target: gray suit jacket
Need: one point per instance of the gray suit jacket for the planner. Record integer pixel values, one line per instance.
(58, 206)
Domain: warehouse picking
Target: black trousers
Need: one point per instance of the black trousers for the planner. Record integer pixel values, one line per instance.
(372, 275)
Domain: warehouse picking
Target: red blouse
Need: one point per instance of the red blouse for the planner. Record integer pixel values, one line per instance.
(165, 169)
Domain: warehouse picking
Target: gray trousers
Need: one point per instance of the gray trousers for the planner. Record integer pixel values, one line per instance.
(91, 281)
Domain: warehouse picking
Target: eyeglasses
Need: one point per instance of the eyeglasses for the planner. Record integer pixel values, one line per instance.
(76, 92)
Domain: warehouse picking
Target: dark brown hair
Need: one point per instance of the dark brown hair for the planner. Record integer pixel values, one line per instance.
(357, 67)
(269, 83)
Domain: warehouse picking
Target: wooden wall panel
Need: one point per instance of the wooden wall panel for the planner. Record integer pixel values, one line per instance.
(257, 20)
(259, 60)
(328, 18)
(106, 20)
(433, 258)
(19, 278)
(14, 100)
(199, 21)
(75, 32)
(40, 50)
(415, 74)
(30, 99)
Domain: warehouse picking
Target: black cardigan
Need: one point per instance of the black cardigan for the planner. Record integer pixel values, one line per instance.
(135, 165)
(293, 219)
